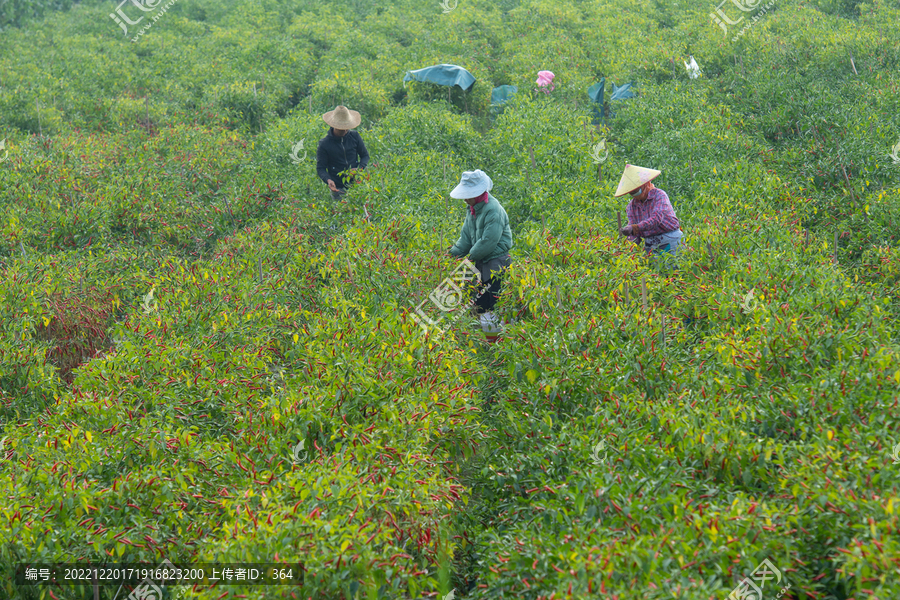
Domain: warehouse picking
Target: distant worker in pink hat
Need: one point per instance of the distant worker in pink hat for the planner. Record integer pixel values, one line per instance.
(545, 80)
(650, 214)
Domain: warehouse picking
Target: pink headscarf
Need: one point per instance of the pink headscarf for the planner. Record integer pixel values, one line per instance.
(545, 79)
(482, 198)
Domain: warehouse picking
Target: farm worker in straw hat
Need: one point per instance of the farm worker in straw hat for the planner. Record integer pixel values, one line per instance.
(487, 239)
(650, 214)
(341, 150)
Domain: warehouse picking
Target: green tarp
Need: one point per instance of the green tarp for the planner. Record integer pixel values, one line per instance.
(448, 75)
(502, 93)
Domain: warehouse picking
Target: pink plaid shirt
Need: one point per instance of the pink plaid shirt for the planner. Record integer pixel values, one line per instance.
(653, 216)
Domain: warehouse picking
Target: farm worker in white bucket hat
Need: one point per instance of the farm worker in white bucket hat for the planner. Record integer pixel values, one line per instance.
(487, 239)
(341, 151)
(650, 214)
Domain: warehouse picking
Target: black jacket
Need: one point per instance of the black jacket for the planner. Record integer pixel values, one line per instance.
(336, 154)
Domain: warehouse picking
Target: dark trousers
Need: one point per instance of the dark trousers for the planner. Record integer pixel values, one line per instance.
(491, 274)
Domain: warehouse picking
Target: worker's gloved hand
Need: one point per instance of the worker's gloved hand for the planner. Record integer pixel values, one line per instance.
(626, 230)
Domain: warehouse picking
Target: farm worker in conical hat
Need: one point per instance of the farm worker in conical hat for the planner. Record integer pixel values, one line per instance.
(650, 214)
(341, 151)
(545, 80)
(487, 239)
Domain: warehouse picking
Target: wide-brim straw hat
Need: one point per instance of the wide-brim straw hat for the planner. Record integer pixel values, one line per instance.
(634, 177)
(472, 184)
(342, 118)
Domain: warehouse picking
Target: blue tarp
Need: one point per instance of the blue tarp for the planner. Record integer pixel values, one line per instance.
(621, 93)
(448, 75)
(596, 91)
(502, 93)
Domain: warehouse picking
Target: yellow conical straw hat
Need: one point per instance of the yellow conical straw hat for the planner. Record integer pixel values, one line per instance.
(633, 177)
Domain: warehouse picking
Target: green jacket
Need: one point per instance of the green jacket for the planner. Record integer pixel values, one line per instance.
(485, 236)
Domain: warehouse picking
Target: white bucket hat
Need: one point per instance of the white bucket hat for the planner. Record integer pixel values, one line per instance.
(342, 118)
(472, 184)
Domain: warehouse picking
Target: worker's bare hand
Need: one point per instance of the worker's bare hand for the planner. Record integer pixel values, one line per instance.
(332, 186)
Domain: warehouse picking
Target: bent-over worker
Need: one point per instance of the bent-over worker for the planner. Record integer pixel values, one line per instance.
(650, 214)
(487, 239)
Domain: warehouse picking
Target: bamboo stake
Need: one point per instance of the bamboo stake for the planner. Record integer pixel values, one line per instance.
(644, 292)
(444, 176)
(627, 295)
(619, 215)
(807, 238)
(259, 265)
(835, 244)
(852, 193)
(662, 334)
(531, 154)
(231, 214)
(853, 64)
